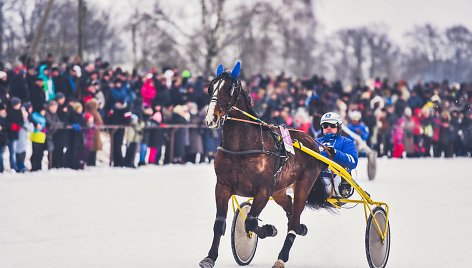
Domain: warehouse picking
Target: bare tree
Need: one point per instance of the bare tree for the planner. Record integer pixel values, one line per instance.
(459, 42)
(427, 49)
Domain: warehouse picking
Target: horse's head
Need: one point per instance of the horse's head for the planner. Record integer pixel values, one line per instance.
(225, 91)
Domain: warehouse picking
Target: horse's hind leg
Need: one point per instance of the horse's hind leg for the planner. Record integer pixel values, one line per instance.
(251, 223)
(222, 194)
(302, 188)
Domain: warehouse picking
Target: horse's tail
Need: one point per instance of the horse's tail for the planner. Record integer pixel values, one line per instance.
(317, 197)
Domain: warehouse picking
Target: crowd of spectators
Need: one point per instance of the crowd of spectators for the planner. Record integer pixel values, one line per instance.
(62, 108)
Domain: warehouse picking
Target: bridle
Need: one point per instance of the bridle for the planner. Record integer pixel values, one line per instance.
(235, 89)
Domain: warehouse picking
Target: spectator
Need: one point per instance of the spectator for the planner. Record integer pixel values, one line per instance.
(61, 85)
(54, 143)
(148, 91)
(14, 121)
(23, 135)
(38, 139)
(156, 134)
(467, 132)
(75, 153)
(38, 96)
(19, 85)
(93, 139)
(144, 145)
(61, 135)
(48, 85)
(3, 133)
(445, 135)
(134, 135)
(4, 88)
(195, 136)
(180, 116)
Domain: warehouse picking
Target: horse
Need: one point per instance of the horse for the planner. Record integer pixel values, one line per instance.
(250, 163)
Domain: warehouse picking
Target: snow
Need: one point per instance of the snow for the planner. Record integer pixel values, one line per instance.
(159, 216)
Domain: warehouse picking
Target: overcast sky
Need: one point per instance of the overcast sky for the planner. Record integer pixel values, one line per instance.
(398, 15)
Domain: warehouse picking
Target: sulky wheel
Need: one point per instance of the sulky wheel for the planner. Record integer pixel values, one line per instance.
(243, 245)
(371, 165)
(376, 250)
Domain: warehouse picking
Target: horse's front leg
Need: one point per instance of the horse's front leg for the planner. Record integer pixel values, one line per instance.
(222, 194)
(301, 191)
(251, 223)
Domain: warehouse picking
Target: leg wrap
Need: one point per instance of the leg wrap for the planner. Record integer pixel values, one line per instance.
(251, 223)
(220, 226)
(283, 255)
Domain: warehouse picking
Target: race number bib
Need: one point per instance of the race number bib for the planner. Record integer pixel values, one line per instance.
(287, 140)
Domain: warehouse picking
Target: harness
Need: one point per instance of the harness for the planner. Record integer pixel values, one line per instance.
(279, 153)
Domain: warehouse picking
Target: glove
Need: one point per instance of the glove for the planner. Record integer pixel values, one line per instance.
(76, 127)
(15, 127)
(331, 151)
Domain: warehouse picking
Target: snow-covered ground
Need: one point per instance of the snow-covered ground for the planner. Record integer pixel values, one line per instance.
(158, 216)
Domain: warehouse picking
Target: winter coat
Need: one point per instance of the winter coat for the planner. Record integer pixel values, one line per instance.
(346, 151)
(195, 136)
(148, 92)
(95, 142)
(180, 136)
(23, 136)
(38, 97)
(53, 122)
(14, 122)
(408, 135)
(3, 132)
(19, 87)
(134, 133)
(156, 135)
(48, 86)
(118, 95)
(360, 129)
(4, 91)
(61, 84)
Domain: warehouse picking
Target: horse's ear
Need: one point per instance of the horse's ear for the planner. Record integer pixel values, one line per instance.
(236, 70)
(220, 69)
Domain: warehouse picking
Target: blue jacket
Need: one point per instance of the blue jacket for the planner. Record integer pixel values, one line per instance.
(360, 129)
(346, 151)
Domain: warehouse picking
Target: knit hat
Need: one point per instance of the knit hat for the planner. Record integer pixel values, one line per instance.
(60, 95)
(15, 101)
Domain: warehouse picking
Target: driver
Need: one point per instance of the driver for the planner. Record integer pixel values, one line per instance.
(341, 150)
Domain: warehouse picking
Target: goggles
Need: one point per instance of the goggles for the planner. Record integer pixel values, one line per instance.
(326, 125)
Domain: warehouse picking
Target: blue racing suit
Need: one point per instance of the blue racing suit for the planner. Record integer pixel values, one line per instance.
(345, 154)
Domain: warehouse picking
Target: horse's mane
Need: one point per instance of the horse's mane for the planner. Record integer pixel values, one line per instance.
(247, 101)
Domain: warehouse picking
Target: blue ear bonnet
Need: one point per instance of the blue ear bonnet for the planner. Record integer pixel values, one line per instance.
(219, 70)
(234, 73)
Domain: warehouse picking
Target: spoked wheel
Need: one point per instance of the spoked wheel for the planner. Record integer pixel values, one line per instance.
(376, 250)
(243, 245)
(371, 165)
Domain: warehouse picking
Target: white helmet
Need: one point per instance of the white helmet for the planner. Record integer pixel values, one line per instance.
(355, 115)
(332, 118)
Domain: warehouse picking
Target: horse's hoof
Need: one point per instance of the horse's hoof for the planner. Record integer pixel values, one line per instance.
(270, 230)
(302, 230)
(279, 264)
(207, 263)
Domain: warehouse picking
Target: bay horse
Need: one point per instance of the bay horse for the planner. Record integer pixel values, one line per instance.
(248, 163)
